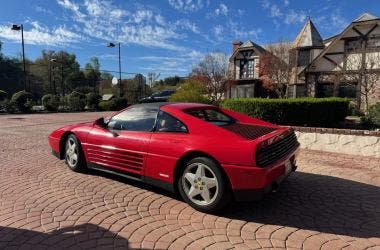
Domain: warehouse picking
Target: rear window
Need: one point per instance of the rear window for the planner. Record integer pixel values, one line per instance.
(211, 115)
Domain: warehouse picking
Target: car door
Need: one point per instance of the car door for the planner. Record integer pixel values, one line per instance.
(168, 142)
(122, 144)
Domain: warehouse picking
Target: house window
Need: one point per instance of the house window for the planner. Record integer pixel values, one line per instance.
(247, 68)
(325, 90)
(347, 90)
(303, 57)
(352, 45)
(373, 42)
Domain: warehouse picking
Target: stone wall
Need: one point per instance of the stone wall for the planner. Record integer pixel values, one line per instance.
(363, 143)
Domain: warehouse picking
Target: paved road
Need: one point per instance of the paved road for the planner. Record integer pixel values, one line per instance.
(332, 202)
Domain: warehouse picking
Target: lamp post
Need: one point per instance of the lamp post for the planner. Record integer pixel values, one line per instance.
(62, 82)
(17, 27)
(112, 45)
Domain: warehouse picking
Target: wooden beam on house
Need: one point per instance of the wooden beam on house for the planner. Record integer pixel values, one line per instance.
(358, 32)
(334, 53)
(332, 61)
(370, 31)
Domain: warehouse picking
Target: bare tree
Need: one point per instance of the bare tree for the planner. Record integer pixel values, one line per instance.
(364, 69)
(212, 71)
(274, 71)
(153, 77)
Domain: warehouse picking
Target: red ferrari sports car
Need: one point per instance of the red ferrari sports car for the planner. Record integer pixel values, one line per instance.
(207, 154)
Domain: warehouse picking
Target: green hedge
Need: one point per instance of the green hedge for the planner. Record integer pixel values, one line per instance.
(325, 112)
(76, 101)
(22, 101)
(104, 105)
(3, 95)
(372, 118)
(51, 102)
(118, 103)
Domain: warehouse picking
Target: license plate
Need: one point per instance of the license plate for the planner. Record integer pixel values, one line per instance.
(288, 167)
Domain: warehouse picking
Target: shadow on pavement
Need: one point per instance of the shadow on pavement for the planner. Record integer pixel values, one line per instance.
(85, 236)
(306, 201)
(317, 202)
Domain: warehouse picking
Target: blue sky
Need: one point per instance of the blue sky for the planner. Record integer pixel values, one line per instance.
(164, 36)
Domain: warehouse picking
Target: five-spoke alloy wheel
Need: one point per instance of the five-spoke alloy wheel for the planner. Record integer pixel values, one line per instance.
(203, 185)
(73, 154)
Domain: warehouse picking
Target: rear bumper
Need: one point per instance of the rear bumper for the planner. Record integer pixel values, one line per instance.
(252, 183)
(257, 194)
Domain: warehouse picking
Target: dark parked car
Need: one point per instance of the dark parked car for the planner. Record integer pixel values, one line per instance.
(161, 96)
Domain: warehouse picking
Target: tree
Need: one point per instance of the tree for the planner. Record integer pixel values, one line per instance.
(191, 91)
(274, 71)
(212, 72)
(153, 77)
(53, 70)
(363, 70)
(92, 72)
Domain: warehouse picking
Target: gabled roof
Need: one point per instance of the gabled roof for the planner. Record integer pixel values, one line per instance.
(308, 36)
(365, 17)
(336, 38)
(248, 45)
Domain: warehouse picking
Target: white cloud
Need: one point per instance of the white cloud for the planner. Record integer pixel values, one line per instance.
(143, 26)
(41, 35)
(218, 30)
(275, 11)
(188, 5)
(293, 17)
(285, 15)
(169, 65)
(41, 9)
(187, 25)
(221, 10)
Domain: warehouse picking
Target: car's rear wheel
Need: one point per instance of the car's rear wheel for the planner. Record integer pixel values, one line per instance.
(203, 186)
(74, 157)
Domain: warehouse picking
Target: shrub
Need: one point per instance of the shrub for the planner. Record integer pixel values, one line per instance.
(190, 91)
(76, 101)
(51, 102)
(104, 105)
(92, 101)
(299, 111)
(22, 101)
(372, 119)
(3, 95)
(10, 107)
(118, 103)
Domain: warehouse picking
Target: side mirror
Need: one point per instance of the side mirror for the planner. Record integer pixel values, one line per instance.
(100, 122)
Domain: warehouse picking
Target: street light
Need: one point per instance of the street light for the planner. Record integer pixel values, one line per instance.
(53, 60)
(17, 27)
(112, 45)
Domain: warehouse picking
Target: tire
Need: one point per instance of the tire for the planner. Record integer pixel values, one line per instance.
(74, 156)
(203, 186)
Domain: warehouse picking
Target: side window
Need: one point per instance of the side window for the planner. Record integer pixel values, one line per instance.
(134, 119)
(167, 123)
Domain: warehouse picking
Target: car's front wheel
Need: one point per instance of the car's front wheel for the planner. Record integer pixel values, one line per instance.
(203, 186)
(74, 157)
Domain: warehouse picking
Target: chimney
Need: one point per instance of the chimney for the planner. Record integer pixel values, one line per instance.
(236, 45)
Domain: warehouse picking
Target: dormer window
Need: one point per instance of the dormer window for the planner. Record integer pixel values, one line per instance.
(246, 68)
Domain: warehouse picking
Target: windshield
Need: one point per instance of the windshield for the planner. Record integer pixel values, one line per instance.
(211, 115)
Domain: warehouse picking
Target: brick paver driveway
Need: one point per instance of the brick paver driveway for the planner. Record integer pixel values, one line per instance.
(332, 202)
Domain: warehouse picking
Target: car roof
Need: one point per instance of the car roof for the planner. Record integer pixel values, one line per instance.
(175, 105)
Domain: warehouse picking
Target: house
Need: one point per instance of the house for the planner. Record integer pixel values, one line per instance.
(345, 65)
(243, 68)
